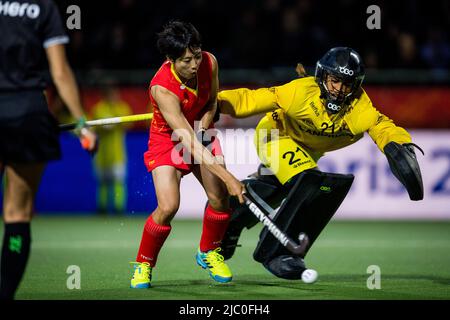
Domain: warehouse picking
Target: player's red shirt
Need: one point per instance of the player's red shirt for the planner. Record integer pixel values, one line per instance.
(192, 103)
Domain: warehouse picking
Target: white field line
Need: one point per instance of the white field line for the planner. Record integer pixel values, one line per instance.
(103, 244)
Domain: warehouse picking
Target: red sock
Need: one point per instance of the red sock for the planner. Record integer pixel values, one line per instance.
(153, 238)
(215, 224)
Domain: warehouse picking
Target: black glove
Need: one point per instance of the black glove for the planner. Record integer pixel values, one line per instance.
(410, 148)
(403, 163)
(206, 137)
(217, 114)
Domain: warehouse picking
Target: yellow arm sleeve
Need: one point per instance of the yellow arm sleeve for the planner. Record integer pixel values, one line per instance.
(241, 103)
(385, 131)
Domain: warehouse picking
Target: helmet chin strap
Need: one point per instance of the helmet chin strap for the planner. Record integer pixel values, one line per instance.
(332, 105)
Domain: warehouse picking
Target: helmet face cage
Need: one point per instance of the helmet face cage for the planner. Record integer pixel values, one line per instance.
(345, 65)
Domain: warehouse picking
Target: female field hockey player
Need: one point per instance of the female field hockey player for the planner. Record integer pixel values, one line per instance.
(182, 92)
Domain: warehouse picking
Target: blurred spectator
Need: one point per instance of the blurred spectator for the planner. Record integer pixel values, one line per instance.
(370, 59)
(291, 36)
(407, 51)
(118, 47)
(78, 54)
(249, 41)
(110, 160)
(250, 33)
(436, 50)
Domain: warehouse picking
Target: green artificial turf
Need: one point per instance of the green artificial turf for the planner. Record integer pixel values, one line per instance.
(413, 257)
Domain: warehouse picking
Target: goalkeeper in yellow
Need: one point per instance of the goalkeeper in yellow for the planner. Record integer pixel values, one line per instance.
(111, 158)
(310, 116)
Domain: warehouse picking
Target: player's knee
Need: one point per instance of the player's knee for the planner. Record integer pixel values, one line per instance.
(219, 202)
(167, 210)
(18, 205)
(17, 213)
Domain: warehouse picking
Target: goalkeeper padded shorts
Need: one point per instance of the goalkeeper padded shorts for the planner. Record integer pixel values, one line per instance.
(280, 153)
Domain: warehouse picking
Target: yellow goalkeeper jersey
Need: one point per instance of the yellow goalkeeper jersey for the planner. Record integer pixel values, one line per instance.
(111, 148)
(301, 113)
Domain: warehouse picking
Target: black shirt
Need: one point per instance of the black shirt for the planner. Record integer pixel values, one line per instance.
(27, 27)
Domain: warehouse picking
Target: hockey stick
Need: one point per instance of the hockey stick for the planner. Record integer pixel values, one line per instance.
(109, 121)
(258, 209)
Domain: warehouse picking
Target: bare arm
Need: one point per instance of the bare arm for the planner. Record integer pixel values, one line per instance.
(64, 79)
(67, 87)
(169, 106)
(211, 106)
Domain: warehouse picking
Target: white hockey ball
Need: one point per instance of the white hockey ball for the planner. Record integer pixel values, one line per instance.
(309, 276)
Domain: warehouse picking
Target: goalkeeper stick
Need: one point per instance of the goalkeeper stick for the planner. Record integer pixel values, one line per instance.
(109, 121)
(261, 210)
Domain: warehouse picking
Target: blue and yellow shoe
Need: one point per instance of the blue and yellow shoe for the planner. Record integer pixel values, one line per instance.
(214, 262)
(142, 276)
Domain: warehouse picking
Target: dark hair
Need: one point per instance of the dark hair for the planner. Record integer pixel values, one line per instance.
(176, 37)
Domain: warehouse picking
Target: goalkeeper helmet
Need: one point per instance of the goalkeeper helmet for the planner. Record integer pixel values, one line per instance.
(343, 65)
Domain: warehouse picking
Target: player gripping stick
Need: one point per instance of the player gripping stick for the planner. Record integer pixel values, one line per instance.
(182, 92)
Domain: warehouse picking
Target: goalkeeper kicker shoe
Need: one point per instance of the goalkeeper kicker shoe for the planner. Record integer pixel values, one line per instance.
(142, 276)
(214, 262)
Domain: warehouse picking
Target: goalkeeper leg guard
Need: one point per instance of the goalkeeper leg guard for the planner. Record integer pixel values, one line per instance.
(243, 218)
(308, 208)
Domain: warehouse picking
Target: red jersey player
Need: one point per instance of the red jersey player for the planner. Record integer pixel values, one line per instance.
(184, 90)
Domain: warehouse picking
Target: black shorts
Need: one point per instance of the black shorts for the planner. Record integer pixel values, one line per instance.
(28, 131)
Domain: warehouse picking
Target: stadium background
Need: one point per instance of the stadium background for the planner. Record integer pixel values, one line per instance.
(258, 43)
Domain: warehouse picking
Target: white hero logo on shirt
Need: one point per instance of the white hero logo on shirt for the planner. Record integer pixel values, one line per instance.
(346, 71)
(16, 9)
(333, 106)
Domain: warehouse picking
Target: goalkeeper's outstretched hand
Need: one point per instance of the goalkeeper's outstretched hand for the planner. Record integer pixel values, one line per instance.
(403, 163)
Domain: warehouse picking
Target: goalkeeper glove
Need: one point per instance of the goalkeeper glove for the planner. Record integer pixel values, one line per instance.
(206, 138)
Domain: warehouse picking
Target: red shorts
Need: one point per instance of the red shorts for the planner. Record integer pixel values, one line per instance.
(162, 151)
